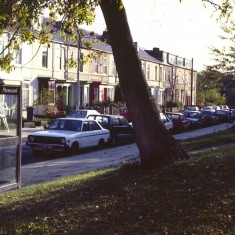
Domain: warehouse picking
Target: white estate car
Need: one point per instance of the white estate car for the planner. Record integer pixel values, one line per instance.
(82, 113)
(69, 135)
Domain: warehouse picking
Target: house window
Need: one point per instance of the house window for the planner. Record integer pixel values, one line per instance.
(3, 46)
(51, 88)
(143, 68)
(169, 75)
(164, 75)
(25, 95)
(19, 56)
(160, 74)
(58, 63)
(44, 57)
(96, 64)
(148, 72)
(104, 65)
(96, 95)
(113, 67)
(156, 72)
(177, 94)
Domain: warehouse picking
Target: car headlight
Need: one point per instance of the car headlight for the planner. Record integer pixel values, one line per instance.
(31, 138)
(62, 140)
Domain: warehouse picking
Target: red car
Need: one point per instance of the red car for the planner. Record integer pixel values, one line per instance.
(179, 122)
(126, 114)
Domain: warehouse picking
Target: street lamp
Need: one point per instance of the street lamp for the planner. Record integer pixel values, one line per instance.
(78, 75)
(192, 83)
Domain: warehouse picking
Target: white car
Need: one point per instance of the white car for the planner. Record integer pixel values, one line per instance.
(82, 113)
(69, 135)
(166, 121)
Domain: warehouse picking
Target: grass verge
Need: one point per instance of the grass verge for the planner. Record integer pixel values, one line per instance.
(191, 197)
(211, 140)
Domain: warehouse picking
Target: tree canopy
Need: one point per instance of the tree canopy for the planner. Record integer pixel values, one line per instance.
(19, 19)
(225, 56)
(209, 87)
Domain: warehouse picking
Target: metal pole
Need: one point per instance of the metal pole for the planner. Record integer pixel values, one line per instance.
(78, 78)
(192, 83)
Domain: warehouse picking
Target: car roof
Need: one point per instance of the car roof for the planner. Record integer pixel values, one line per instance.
(193, 111)
(73, 118)
(106, 115)
(173, 113)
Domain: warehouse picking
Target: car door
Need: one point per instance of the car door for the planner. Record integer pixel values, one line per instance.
(95, 132)
(122, 129)
(86, 139)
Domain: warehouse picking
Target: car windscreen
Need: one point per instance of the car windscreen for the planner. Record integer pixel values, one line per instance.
(176, 117)
(191, 115)
(68, 125)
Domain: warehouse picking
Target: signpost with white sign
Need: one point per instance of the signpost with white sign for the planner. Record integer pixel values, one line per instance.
(10, 133)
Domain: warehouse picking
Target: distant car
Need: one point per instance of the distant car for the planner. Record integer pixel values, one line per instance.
(192, 108)
(232, 114)
(120, 130)
(216, 107)
(207, 108)
(224, 107)
(195, 118)
(125, 113)
(180, 123)
(210, 117)
(82, 113)
(224, 116)
(68, 135)
(167, 122)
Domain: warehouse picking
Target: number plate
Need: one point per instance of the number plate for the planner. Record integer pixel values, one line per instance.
(46, 147)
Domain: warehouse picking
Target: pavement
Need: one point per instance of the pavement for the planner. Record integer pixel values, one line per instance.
(53, 169)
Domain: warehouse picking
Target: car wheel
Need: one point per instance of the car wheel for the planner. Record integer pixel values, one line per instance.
(101, 144)
(37, 152)
(74, 148)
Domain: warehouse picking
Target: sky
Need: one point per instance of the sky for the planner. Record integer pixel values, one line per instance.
(185, 29)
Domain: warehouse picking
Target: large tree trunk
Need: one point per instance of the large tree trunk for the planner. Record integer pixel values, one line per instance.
(156, 145)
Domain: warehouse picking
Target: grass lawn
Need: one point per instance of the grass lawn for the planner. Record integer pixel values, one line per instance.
(196, 196)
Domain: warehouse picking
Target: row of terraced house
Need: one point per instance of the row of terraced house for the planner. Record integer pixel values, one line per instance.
(43, 66)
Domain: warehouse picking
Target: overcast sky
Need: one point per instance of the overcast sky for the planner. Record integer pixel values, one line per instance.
(185, 29)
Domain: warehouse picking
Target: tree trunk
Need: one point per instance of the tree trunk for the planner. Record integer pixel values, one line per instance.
(156, 145)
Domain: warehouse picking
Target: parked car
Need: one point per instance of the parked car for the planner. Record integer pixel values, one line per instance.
(210, 117)
(180, 123)
(195, 118)
(120, 130)
(167, 122)
(191, 108)
(207, 108)
(224, 107)
(68, 135)
(233, 114)
(216, 107)
(224, 115)
(82, 113)
(125, 113)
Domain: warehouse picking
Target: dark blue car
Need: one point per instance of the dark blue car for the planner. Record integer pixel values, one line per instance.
(224, 116)
(195, 118)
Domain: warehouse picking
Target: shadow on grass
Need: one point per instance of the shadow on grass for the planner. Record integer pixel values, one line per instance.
(194, 196)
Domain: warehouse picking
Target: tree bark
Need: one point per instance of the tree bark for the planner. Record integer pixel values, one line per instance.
(156, 145)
